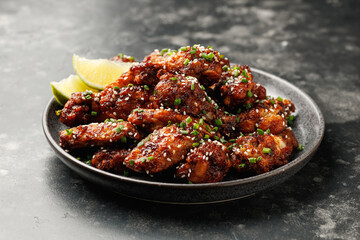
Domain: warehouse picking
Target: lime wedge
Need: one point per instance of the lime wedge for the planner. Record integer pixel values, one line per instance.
(97, 73)
(62, 90)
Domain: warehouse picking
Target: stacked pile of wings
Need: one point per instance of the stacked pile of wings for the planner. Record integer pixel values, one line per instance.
(188, 111)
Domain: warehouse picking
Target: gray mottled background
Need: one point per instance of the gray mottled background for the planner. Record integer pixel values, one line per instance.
(313, 44)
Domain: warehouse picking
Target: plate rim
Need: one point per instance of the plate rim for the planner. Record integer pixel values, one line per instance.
(229, 183)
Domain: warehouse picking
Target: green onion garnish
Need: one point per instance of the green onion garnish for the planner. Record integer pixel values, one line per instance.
(266, 150)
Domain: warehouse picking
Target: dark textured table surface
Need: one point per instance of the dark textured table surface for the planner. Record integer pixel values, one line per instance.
(313, 44)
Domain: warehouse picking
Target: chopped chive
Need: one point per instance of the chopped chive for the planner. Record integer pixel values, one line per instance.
(169, 124)
(131, 163)
(142, 160)
(146, 87)
(242, 165)
(195, 144)
(266, 150)
(237, 119)
(280, 99)
(186, 62)
(121, 55)
(196, 126)
(202, 87)
(232, 140)
(155, 92)
(208, 128)
(245, 73)
(261, 101)
(184, 132)
(123, 140)
(118, 129)
(126, 173)
(244, 80)
(225, 68)
(272, 101)
(130, 85)
(260, 131)
(216, 107)
(249, 94)
(193, 51)
(239, 110)
(258, 159)
(184, 49)
(188, 119)
(150, 158)
(194, 132)
(300, 147)
(93, 113)
(208, 99)
(141, 143)
(218, 122)
(223, 140)
(252, 160)
(131, 59)
(88, 97)
(217, 138)
(268, 131)
(201, 121)
(88, 162)
(190, 182)
(203, 111)
(248, 106)
(182, 124)
(215, 129)
(69, 131)
(206, 136)
(177, 101)
(173, 78)
(116, 88)
(164, 50)
(58, 112)
(221, 56)
(192, 86)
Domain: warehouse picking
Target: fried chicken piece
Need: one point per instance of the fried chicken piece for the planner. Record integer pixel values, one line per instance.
(99, 135)
(200, 62)
(118, 103)
(262, 153)
(110, 160)
(82, 108)
(206, 164)
(238, 89)
(154, 119)
(186, 95)
(266, 114)
(160, 150)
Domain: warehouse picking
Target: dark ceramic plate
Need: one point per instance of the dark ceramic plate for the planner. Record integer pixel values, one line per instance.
(308, 127)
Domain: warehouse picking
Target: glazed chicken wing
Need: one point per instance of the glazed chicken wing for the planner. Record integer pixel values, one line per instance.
(186, 95)
(160, 150)
(99, 134)
(110, 160)
(262, 153)
(239, 90)
(208, 163)
(267, 114)
(82, 108)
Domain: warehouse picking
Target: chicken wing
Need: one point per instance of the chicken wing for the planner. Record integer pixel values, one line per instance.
(99, 135)
(238, 89)
(160, 150)
(110, 160)
(208, 163)
(261, 153)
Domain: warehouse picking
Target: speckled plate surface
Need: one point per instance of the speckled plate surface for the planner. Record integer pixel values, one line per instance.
(309, 129)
